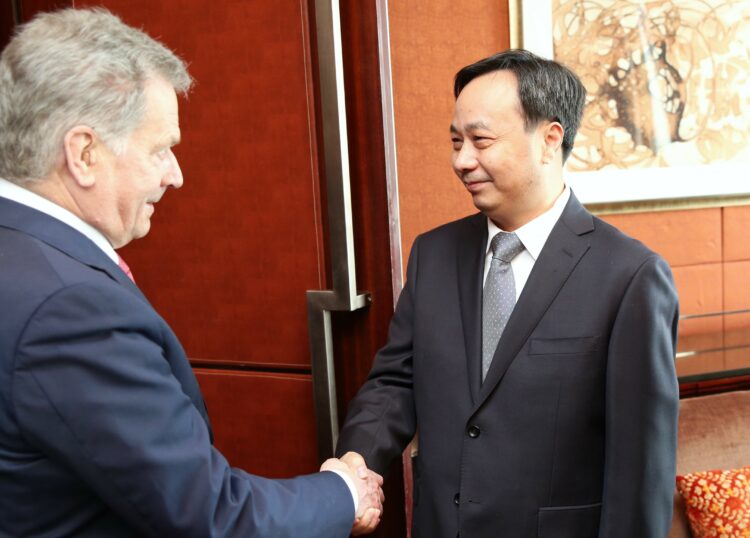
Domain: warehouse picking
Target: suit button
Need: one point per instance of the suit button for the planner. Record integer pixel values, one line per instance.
(457, 499)
(474, 431)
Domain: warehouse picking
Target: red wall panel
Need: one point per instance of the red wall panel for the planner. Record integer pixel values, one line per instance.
(263, 423)
(6, 23)
(29, 8)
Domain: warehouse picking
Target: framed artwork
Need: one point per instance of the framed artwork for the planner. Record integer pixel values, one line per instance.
(667, 117)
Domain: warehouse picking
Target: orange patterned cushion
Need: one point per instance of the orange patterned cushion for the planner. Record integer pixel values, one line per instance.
(718, 502)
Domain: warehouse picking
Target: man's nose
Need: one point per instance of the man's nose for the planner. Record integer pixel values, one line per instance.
(464, 158)
(173, 176)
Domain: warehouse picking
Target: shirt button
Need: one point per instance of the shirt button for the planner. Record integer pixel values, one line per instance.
(474, 431)
(457, 499)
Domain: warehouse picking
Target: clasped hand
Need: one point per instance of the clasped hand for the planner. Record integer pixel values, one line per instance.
(369, 488)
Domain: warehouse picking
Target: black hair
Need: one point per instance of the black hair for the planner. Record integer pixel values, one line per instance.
(547, 89)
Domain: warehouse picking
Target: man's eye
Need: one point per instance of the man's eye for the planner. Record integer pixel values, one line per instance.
(162, 153)
(482, 141)
(456, 143)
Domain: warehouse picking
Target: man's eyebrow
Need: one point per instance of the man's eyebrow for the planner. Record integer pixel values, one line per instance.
(474, 126)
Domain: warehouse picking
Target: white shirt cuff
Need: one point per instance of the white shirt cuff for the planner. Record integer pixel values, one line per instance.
(350, 485)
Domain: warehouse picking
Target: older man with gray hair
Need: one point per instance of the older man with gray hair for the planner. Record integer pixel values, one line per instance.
(103, 429)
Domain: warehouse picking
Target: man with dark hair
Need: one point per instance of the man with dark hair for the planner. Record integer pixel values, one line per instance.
(533, 343)
(103, 429)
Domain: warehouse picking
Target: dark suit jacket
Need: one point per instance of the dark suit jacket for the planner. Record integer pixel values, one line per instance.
(103, 430)
(573, 432)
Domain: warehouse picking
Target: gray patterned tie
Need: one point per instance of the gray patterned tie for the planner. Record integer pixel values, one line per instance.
(499, 295)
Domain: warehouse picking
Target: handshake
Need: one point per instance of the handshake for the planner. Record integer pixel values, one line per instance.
(369, 490)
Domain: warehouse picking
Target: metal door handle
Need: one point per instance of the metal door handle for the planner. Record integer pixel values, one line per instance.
(344, 296)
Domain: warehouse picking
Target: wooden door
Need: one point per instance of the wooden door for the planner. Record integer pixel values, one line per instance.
(231, 255)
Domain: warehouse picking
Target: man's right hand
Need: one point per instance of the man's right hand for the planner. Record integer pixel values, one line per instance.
(369, 488)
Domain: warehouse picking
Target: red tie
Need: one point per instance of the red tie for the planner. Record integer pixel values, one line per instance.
(125, 268)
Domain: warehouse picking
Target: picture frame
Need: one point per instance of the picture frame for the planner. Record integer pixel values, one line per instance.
(667, 120)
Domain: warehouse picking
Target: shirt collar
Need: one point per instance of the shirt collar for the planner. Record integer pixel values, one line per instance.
(18, 194)
(534, 233)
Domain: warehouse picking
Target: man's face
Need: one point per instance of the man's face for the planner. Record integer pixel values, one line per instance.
(494, 155)
(130, 184)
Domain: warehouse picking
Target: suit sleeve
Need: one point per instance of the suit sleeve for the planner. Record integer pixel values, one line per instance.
(92, 390)
(642, 403)
(381, 419)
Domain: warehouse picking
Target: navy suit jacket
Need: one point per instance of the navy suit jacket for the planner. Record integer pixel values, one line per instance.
(573, 432)
(103, 429)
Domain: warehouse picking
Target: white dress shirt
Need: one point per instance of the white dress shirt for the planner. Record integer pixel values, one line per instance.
(533, 235)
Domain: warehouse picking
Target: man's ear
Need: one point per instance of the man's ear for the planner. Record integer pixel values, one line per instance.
(81, 147)
(553, 137)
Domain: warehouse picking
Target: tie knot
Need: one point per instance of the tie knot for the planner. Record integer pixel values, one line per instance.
(505, 246)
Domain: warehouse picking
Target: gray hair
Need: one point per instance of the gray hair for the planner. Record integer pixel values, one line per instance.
(75, 67)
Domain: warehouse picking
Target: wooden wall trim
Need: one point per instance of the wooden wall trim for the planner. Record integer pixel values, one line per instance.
(389, 139)
(721, 382)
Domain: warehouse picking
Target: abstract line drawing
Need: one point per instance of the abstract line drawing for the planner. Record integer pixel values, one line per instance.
(668, 81)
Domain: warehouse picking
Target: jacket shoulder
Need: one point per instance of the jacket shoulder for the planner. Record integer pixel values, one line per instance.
(456, 229)
(620, 243)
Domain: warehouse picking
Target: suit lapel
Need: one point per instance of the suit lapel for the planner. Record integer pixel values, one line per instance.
(76, 245)
(470, 269)
(59, 235)
(565, 246)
